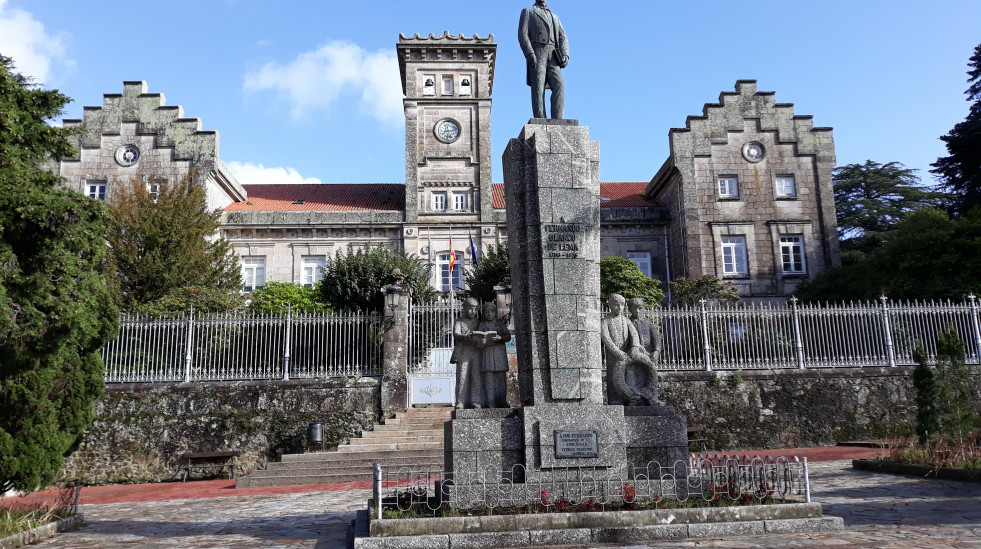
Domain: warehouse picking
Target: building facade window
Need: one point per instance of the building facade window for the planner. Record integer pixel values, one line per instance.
(439, 202)
(450, 280)
(728, 186)
(792, 254)
(153, 189)
(734, 261)
(96, 190)
(312, 269)
(643, 261)
(460, 202)
(448, 85)
(253, 273)
(786, 186)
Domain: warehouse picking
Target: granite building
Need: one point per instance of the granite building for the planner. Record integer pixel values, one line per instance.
(745, 193)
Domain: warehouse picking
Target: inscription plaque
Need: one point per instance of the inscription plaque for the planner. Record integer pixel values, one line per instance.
(576, 444)
(562, 240)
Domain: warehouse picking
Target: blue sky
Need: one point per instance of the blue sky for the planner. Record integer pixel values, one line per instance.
(310, 90)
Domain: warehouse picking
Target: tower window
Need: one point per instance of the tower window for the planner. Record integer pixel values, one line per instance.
(448, 85)
(439, 202)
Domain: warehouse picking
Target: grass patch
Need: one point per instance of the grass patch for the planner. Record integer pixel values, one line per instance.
(22, 513)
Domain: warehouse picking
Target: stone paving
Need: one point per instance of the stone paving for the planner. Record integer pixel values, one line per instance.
(879, 510)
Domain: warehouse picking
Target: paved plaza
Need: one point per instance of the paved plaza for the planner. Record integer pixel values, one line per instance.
(879, 510)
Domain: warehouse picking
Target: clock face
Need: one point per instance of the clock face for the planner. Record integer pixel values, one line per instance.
(447, 131)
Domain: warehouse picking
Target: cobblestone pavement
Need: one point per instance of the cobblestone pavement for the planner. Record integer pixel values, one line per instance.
(881, 511)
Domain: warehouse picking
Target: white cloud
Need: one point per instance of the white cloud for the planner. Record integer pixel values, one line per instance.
(318, 79)
(257, 174)
(34, 51)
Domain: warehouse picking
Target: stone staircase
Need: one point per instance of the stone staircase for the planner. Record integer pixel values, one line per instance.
(412, 439)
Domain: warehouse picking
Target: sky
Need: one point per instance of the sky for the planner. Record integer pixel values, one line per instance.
(309, 91)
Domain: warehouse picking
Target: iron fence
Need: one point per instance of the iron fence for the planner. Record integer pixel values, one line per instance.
(244, 346)
(703, 480)
(794, 335)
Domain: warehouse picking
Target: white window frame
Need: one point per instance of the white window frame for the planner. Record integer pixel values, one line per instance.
(96, 190)
(253, 273)
(786, 186)
(727, 186)
(443, 271)
(734, 256)
(460, 202)
(792, 257)
(312, 269)
(153, 189)
(439, 202)
(447, 85)
(642, 260)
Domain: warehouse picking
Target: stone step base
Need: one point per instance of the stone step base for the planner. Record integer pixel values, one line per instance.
(396, 438)
(369, 456)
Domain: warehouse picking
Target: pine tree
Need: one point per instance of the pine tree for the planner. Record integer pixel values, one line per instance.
(960, 171)
(927, 393)
(164, 241)
(954, 392)
(55, 308)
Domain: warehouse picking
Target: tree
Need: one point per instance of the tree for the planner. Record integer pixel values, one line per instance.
(955, 414)
(925, 383)
(871, 199)
(619, 275)
(688, 292)
(931, 256)
(280, 297)
(353, 280)
(164, 241)
(490, 272)
(960, 170)
(55, 308)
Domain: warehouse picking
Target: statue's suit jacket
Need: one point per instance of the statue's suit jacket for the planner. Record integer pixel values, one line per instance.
(535, 27)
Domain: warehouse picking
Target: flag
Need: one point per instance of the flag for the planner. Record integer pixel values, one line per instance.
(452, 259)
(473, 252)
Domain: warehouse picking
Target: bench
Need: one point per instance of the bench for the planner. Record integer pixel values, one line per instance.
(208, 460)
(697, 436)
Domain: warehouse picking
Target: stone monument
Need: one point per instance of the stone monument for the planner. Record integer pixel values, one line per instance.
(552, 188)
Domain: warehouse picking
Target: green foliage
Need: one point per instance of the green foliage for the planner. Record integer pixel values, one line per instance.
(960, 171)
(925, 383)
(164, 243)
(954, 392)
(278, 297)
(931, 256)
(353, 281)
(202, 300)
(619, 275)
(688, 292)
(494, 266)
(871, 199)
(55, 308)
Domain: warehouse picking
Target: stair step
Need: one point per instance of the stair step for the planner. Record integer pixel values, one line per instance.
(395, 439)
(257, 481)
(408, 429)
(369, 455)
(392, 446)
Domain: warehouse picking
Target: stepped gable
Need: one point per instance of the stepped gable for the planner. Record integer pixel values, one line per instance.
(322, 197)
(746, 103)
(180, 142)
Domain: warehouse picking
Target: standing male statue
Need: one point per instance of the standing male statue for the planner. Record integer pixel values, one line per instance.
(546, 50)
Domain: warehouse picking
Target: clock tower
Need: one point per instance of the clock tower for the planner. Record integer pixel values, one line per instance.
(447, 81)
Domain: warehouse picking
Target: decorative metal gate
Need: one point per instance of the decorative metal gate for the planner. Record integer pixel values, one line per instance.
(431, 377)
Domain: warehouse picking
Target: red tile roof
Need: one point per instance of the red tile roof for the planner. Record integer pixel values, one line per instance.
(620, 194)
(391, 196)
(322, 197)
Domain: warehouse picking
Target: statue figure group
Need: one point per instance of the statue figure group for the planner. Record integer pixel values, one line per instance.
(480, 357)
(632, 347)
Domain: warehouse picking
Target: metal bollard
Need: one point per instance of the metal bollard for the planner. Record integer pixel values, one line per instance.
(807, 483)
(377, 489)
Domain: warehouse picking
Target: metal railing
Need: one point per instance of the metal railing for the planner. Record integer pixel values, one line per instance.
(795, 335)
(244, 346)
(703, 480)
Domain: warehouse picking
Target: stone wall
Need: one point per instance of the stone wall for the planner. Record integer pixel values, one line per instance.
(141, 429)
(797, 408)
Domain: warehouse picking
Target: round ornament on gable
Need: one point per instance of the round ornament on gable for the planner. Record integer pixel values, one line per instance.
(753, 152)
(127, 155)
